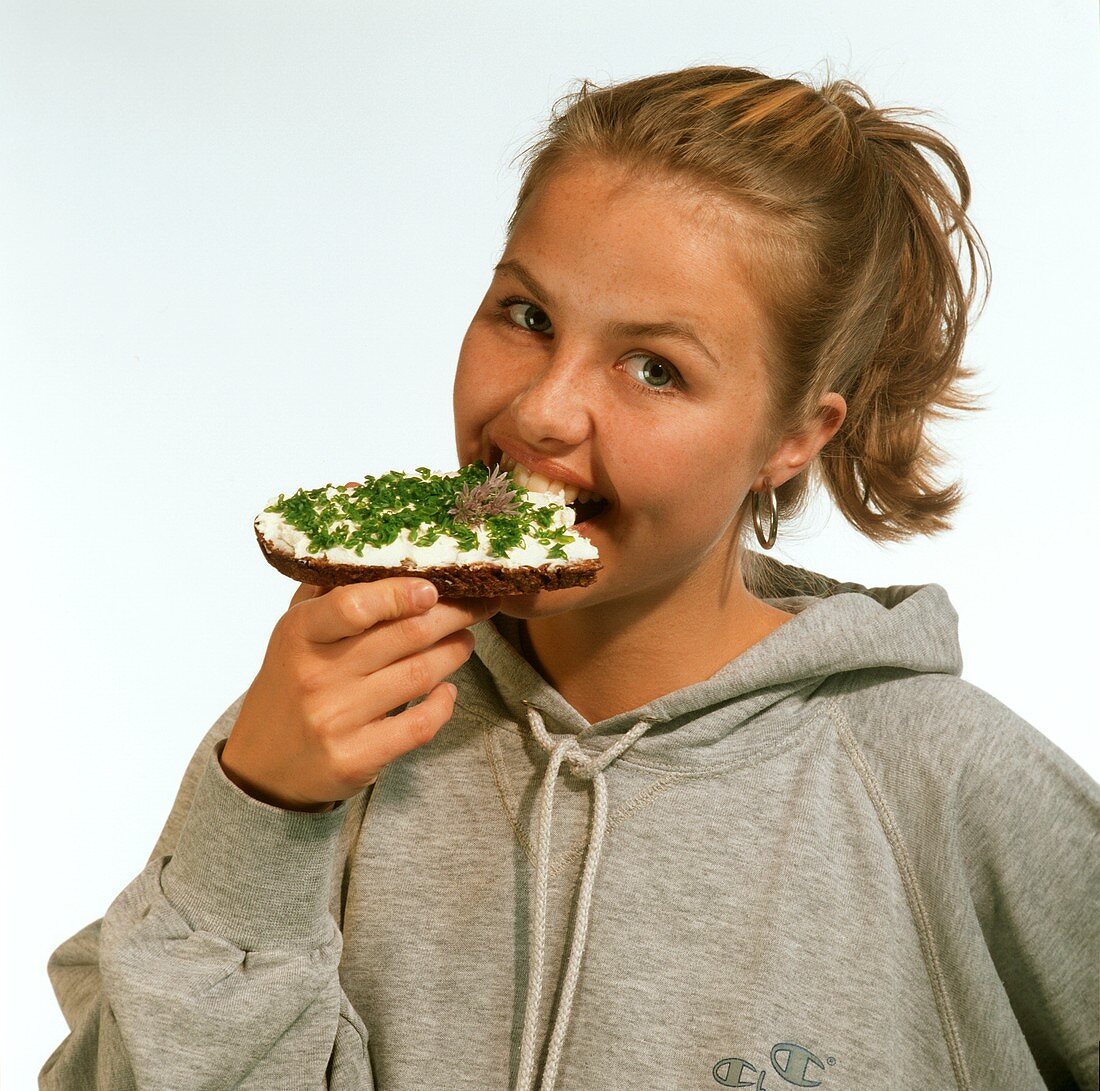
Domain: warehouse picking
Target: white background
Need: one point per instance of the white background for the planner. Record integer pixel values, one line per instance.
(241, 244)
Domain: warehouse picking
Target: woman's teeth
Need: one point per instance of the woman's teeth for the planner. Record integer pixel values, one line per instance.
(528, 479)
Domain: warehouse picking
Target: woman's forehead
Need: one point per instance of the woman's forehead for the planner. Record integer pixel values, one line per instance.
(590, 237)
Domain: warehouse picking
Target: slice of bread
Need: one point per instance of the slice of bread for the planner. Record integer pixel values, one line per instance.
(470, 532)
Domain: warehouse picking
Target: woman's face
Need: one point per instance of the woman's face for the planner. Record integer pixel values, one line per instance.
(556, 365)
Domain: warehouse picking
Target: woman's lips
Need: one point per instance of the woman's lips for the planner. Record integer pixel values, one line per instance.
(496, 457)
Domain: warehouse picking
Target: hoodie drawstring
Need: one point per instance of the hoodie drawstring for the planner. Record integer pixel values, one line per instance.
(587, 768)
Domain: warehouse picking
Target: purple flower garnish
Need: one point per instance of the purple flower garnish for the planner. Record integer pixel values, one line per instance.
(492, 497)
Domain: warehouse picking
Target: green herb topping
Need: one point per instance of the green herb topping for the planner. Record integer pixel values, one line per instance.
(375, 512)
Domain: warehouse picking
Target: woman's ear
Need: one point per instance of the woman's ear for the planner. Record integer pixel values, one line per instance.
(800, 448)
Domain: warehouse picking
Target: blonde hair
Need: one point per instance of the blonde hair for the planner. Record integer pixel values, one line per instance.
(856, 243)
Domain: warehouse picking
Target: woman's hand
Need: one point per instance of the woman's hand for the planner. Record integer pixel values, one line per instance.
(313, 728)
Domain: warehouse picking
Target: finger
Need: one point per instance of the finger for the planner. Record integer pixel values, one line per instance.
(390, 641)
(396, 735)
(305, 592)
(356, 607)
(400, 682)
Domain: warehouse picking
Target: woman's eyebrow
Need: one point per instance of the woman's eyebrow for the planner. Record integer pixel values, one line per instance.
(523, 275)
(677, 331)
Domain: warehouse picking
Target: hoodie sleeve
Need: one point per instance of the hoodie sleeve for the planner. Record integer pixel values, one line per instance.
(1029, 821)
(217, 966)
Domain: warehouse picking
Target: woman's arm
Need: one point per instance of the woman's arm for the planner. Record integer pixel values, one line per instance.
(218, 965)
(1029, 823)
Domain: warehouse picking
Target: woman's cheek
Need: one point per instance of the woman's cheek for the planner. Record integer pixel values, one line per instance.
(470, 392)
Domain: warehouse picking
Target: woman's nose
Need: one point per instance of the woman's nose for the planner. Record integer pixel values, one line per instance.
(556, 402)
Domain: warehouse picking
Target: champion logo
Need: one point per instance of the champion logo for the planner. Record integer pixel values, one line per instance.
(794, 1064)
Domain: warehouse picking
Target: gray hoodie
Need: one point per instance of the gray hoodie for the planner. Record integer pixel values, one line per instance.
(833, 864)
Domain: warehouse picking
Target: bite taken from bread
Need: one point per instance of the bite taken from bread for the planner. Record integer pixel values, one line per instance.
(472, 532)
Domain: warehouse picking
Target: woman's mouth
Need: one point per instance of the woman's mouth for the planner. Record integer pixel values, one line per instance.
(588, 508)
(588, 512)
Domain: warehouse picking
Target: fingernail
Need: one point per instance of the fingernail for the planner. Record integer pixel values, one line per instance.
(425, 595)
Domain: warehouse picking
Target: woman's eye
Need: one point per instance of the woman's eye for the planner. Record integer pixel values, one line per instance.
(528, 316)
(655, 373)
(658, 376)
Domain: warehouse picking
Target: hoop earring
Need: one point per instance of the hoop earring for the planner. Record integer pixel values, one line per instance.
(774, 517)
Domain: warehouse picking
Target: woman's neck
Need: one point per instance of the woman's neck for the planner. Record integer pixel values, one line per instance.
(618, 656)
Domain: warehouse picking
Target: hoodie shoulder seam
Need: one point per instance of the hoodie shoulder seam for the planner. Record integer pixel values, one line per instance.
(918, 911)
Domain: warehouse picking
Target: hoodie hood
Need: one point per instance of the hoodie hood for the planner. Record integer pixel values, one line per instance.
(838, 628)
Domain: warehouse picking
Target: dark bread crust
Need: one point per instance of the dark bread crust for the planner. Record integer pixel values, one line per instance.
(478, 580)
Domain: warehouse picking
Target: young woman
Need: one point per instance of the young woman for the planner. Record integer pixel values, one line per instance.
(711, 821)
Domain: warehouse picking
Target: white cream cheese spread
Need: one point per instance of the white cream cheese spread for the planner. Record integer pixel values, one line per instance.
(445, 550)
